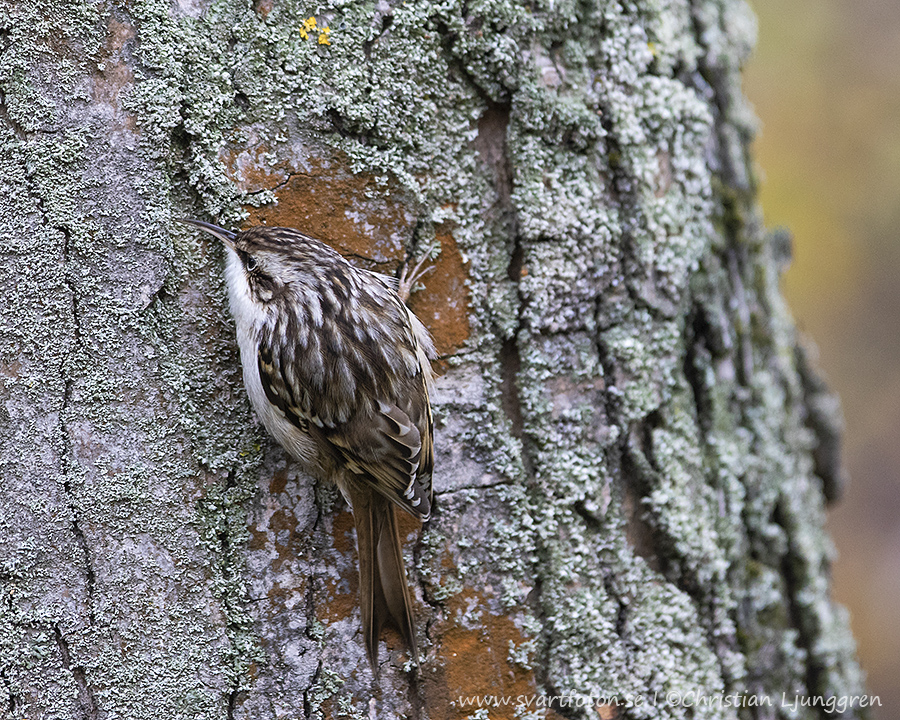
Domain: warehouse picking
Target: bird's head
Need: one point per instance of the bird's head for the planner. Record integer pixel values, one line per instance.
(265, 263)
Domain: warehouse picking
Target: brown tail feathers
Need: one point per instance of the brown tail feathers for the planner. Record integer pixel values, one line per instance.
(384, 597)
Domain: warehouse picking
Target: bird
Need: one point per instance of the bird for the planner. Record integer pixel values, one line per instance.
(338, 371)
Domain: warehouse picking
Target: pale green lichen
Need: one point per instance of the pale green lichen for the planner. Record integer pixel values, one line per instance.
(609, 115)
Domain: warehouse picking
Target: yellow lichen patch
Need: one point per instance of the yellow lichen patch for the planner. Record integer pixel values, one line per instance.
(307, 27)
(310, 26)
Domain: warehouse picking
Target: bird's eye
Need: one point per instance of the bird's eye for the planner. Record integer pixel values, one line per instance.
(249, 261)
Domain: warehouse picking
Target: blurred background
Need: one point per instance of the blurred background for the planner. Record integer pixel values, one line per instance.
(825, 83)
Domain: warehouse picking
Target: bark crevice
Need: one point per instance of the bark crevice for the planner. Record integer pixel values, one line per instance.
(86, 700)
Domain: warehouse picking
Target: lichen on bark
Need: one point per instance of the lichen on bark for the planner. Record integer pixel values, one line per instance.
(631, 448)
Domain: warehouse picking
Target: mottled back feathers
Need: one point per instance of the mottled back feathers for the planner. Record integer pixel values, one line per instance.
(345, 361)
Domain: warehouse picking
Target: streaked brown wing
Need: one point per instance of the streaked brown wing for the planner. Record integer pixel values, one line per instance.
(393, 451)
(369, 409)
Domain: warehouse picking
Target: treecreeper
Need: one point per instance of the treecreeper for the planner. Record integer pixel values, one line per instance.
(338, 370)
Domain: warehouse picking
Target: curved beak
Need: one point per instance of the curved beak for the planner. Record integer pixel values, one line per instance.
(226, 236)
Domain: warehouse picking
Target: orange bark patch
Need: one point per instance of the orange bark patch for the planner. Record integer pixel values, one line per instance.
(249, 169)
(407, 526)
(443, 304)
(263, 7)
(343, 594)
(363, 220)
(340, 605)
(278, 482)
(473, 648)
(608, 712)
(352, 213)
(344, 533)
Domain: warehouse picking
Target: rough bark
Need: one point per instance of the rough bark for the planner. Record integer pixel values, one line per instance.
(633, 456)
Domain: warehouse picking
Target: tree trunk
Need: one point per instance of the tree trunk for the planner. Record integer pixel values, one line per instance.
(632, 455)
